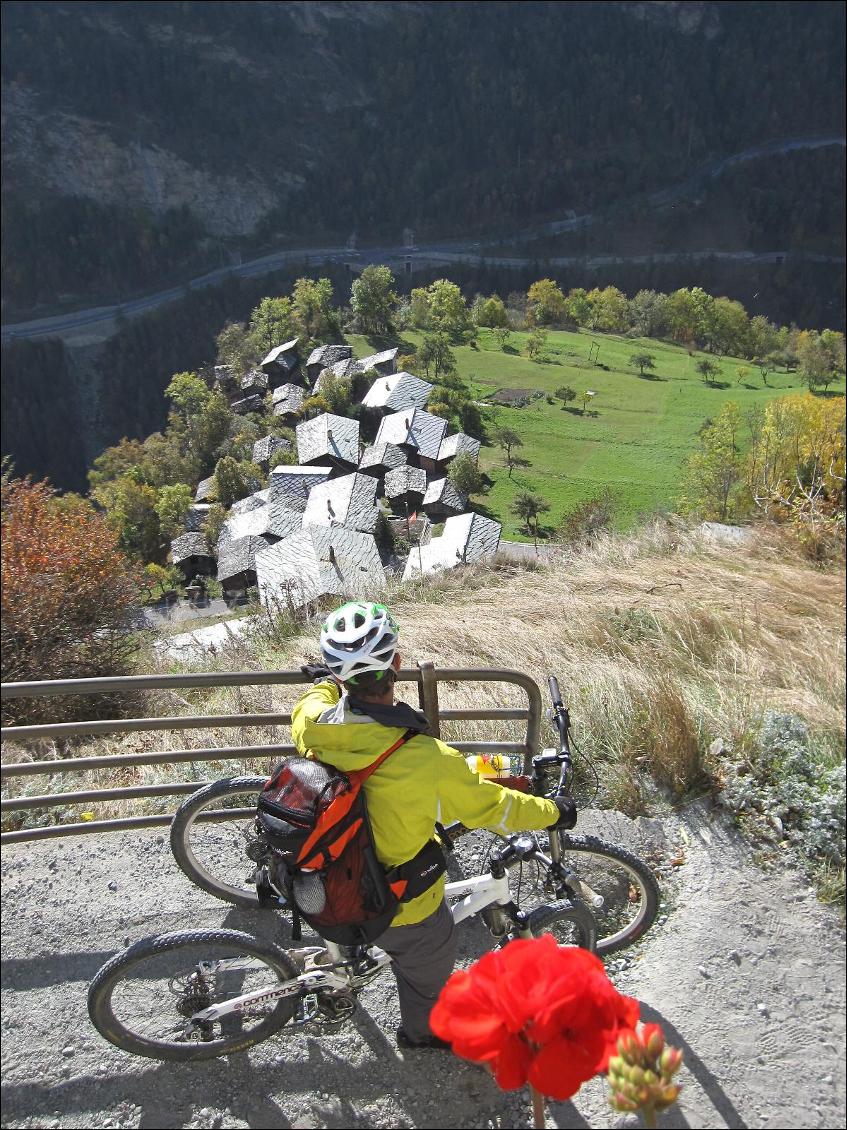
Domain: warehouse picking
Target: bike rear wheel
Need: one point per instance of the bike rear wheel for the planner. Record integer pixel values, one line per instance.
(211, 835)
(143, 999)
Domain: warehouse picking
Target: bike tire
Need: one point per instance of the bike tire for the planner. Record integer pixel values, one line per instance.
(569, 921)
(627, 884)
(141, 981)
(212, 852)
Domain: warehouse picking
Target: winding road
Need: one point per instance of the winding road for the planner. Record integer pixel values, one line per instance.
(104, 318)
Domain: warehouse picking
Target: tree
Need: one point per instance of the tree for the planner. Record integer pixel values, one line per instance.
(172, 506)
(492, 313)
(586, 398)
(337, 394)
(578, 308)
(448, 311)
(234, 348)
(234, 480)
(271, 323)
(648, 313)
(545, 303)
(419, 308)
(465, 475)
(707, 369)
(312, 309)
(820, 356)
(728, 328)
(501, 335)
(535, 342)
(188, 393)
(566, 394)
(373, 300)
(764, 365)
(130, 506)
(436, 357)
(508, 439)
(528, 505)
(741, 374)
(67, 596)
(609, 310)
(643, 361)
(715, 471)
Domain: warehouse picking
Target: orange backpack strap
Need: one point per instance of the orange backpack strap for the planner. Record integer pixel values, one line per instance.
(361, 775)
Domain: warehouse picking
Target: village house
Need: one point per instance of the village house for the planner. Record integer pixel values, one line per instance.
(207, 490)
(405, 488)
(266, 448)
(191, 554)
(442, 500)
(282, 363)
(287, 401)
(225, 380)
(290, 485)
(383, 363)
(196, 517)
(252, 403)
(467, 538)
(328, 439)
(398, 393)
(347, 501)
(458, 444)
(319, 561)
(324, 357)
(237, 564)
(254, 383)
(417, 432)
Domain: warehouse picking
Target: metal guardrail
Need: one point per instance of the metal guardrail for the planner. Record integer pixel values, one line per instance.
(426, 675)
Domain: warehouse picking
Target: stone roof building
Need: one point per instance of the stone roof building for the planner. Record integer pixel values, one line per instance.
(405, 487)
(290, 485)
(206, 491)
(419, 433)
(226, 380)
(252, 403)
(288, 400)
(347, 501)
(458, 444)
(196, 517)
(282, 363)
(443, 500)
(328, 438)
(254, 383)
(398, 393)
(384, 363)
(466, 538)
(191, 553)
(319, 561)
(237, 561)
(325, 356)
(382, 457)
(251, 502)
(265, 449)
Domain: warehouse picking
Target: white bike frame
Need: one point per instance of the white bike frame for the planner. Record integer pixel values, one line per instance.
(323, 962)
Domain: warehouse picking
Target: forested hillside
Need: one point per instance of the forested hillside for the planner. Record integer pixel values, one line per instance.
(144, 140)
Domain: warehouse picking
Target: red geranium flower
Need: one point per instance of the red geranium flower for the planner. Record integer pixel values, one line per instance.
(535, 1011)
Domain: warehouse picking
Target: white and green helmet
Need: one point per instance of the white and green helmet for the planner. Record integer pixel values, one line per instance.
(358, 637)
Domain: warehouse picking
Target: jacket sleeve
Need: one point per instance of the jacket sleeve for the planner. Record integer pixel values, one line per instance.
(308, 708)
(482, 804)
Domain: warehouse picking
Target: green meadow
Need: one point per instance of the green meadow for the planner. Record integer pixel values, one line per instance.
(635, 436)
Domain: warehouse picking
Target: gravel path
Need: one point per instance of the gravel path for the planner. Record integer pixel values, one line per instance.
(745, 970)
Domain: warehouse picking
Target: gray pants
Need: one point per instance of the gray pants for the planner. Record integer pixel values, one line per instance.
(422, 957)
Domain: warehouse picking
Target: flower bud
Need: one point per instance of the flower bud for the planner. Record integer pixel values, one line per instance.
(670, 1062)
(622, 1103)
(655, 1044)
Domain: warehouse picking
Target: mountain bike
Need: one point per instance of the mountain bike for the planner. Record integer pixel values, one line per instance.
(216, 843)
(199, 994)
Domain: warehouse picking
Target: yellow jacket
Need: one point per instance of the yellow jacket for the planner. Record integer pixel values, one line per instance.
(423, 782)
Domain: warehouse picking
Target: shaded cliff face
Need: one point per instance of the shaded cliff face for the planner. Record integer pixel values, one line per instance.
(144, 140)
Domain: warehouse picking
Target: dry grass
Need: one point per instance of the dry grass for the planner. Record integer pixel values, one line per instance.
(661, 642)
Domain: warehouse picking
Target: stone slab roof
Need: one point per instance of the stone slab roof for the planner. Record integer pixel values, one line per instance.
(382, 456)
(458, 444)
(283, 519)
(283, 356)
(287, 399)
(291, 485)
(328, 436)
(443, 495)
(239, 555)
(252, 523)
(348, 367)
(405, 480)
(189, 545)
(347, 501)
(196, 517)
(417, 430)
(252, 403)
(326, 355)
(398, 392)
(383, 361)
(319, 561)
(255, 381)
(264, 449)
(466, 538)
(225, 378)
(251, 502)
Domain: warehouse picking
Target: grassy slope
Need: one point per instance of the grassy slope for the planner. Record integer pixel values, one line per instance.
(636, 445)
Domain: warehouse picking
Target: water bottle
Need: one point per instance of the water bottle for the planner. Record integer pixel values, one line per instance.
(309, 892)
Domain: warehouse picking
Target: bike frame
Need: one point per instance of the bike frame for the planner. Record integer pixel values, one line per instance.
(326, 968)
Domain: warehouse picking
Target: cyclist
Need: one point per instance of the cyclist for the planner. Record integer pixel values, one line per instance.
(348, 718)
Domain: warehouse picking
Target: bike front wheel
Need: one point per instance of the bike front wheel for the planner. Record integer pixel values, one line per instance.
(214, 839)
(570, 922)
(143, 1000)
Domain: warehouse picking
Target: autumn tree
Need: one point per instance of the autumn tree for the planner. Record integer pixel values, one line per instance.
(235, 480)
(545, 303)
(271, 323)
(492, 313)
(311, 305)
(436, 357)
(716, 469)
(172, 506)
(535, 342)
(67, 597)
(234, 348)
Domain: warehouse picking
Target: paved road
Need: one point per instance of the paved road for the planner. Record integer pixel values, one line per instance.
(104, 317)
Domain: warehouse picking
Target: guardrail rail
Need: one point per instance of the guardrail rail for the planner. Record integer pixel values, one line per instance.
(425, 674)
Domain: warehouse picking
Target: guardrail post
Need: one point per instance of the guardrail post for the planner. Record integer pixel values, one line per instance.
(428, 695)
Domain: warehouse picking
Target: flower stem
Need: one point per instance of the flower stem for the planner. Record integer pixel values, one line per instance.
(648, 1117)
(538, 1119)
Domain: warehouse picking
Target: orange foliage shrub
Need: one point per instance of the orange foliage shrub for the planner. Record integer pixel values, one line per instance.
(67, 596)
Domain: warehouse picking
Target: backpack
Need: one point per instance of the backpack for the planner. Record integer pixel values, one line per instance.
(315, 821)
